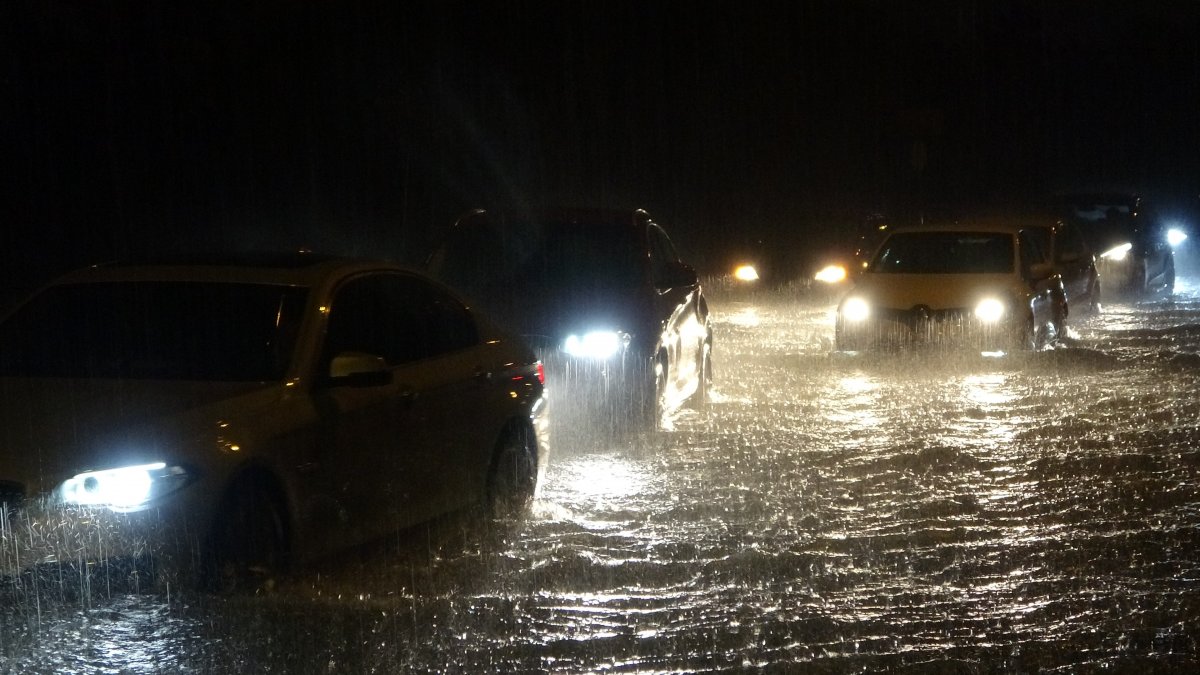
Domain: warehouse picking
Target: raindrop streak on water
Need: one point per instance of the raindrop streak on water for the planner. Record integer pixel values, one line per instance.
(1035, 511)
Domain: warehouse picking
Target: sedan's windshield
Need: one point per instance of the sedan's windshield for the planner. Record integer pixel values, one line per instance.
(154, 330)
(945, 253)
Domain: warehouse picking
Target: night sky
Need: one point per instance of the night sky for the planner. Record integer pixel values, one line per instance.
(131, 128)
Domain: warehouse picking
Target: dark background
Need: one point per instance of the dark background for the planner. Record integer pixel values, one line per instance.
(131, 128)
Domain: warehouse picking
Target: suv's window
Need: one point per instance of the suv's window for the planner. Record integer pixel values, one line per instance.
(1030, 253)
(399, 317)
(155, 330)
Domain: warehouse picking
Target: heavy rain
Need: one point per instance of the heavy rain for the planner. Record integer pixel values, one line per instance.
(908, 511)
(930, 509)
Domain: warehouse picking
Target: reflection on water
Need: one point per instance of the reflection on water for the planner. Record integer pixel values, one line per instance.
(886, 512)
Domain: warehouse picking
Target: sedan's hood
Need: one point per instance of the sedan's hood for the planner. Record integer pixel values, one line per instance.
(935, 291)
(54, 428)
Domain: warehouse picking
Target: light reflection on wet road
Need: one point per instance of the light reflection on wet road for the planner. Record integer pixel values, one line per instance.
(841, 513)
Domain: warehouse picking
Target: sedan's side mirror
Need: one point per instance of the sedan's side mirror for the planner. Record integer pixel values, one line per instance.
(356, 369)
(677, 274)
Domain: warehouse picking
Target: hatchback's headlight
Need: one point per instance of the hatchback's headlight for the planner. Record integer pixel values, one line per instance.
(600, 344)
(1117, 253)
(855, 310)
(989, 310)
(745, 273)
(126, 488)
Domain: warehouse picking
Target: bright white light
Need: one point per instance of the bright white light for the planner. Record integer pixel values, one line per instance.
(121, 489)
(989, 310)
(855, 309)
(1117, 253)
(594, 345)
(831, 274)
(1176, 236)
(745, 273)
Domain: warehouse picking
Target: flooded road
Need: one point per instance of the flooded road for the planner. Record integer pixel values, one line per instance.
(830, 512)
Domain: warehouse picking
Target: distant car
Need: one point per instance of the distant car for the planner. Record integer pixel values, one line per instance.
(1073, 262)
(254, 412)
(620, 321)
(1133, 252)
(985, 285)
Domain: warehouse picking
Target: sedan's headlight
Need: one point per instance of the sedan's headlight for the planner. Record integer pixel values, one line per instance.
(123, 489)
(1117, 253)
(1176, 236)
(600, 344)
(855, 310)
(989, 310)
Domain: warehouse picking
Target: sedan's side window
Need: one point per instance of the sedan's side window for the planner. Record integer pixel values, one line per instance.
(365, 318)
(1070, 244)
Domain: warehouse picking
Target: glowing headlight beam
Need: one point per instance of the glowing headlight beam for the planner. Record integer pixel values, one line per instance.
(595, 345)
(855, 310)
(121, 489)
(831, 274)
(1176, 236)
(745, 273)
(1117, 253)
(989, 310)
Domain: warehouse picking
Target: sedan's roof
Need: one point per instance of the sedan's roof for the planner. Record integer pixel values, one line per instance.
(299, 269)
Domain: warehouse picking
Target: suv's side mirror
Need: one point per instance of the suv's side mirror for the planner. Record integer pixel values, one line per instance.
(676, 274)
(356, 369)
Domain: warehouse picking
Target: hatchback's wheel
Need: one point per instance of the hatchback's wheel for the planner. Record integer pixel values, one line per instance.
(1169, 277)
(248, 547)
(512, 478)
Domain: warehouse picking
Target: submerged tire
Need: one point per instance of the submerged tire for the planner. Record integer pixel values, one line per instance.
(512, 477)
(249, 546)
(701, 397)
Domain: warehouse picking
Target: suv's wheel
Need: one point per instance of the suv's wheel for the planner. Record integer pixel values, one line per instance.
(248, 547)
(512, 477)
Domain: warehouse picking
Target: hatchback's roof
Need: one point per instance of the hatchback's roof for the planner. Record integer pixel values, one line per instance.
(998, 225)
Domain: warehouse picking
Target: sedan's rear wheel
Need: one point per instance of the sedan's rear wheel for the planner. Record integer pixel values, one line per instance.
(700, 399)
(512, 477)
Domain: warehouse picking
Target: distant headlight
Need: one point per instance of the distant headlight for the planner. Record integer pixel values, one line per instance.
(831, 274)
(123, 489)
(745, 273)
(989, 310)
(600, 344)
(1176, 236)
(1117, 253)
(855, 310)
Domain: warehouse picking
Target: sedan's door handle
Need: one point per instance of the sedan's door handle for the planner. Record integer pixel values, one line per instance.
(406, 395)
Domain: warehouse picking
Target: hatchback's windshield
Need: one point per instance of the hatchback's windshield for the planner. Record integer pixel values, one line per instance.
(945, 253)
(154, 330)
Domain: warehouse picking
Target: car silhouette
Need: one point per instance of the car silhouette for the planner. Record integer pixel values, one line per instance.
(619, 320)
(228, 418)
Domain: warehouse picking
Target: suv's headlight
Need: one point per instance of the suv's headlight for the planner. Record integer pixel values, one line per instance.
(989, 310)
(855, 310)
(123, 489)
(1117, 253)
(600, 344)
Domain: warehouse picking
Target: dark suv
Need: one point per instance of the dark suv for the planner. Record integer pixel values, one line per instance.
(603, 297)
(1128, 238)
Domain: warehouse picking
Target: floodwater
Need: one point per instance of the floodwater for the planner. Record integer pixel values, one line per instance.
(830, 512)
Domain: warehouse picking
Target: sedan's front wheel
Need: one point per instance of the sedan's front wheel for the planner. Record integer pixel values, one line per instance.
(248, 547)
